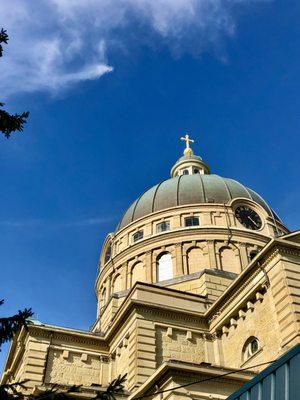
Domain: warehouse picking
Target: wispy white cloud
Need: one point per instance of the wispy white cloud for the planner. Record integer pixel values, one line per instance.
(56, 43)
(42, 223)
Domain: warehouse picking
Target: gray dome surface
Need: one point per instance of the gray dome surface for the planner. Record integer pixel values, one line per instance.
(190, 189)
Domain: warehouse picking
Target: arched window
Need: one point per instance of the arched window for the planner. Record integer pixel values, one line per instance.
(138, 273)
(251, 347)
(118, 284)
(229, 260)
(196, 171)
(185, 172)
(164, 267)
(196, 260)
(107, 254)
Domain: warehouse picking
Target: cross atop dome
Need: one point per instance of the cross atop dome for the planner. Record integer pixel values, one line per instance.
(189, 163)
(187, 151)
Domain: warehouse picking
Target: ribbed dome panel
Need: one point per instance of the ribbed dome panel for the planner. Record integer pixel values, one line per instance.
(236, 189)
(145, 203)
(166, 195)
(190, 189)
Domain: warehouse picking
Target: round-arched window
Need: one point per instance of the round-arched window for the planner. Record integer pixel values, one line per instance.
(164, 267)
(250, 348)
(185, 172)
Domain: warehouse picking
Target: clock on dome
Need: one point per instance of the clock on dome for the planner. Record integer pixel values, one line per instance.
(248, 217)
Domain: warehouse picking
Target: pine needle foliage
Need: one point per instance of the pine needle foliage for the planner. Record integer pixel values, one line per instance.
(10, 325)
(10, 123)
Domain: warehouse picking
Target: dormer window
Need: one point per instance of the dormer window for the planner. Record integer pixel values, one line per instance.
(191, 221)
(138, 235)
(163, 226)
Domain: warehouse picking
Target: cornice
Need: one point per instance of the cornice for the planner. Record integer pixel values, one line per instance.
(130, 304)
(289, 251)
(46, 332)
(170, 314)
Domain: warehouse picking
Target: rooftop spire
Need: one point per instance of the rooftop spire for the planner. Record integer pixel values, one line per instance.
(187, 151)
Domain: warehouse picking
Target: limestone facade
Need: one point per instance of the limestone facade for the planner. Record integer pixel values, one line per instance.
(230, 302)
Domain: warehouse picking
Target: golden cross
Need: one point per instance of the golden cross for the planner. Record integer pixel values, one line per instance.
(187, 140)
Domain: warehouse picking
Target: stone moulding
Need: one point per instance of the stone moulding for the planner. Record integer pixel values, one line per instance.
(173, 315)
(172, 236)
(48, 332)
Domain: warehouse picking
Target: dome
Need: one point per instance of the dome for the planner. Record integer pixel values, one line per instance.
(189, 190)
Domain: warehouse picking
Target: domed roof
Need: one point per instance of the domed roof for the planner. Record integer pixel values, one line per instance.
(190, 189)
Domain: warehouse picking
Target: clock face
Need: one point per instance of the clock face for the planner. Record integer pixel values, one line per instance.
(248, 217)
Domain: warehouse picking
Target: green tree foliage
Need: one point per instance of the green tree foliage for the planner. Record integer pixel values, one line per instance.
(9, 326)
(10, 122)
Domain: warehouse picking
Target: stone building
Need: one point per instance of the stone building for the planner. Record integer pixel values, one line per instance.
(198, 289)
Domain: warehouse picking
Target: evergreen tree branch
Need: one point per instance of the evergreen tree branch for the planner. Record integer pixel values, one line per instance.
(10, 325)
(3, 39)
(8, 122)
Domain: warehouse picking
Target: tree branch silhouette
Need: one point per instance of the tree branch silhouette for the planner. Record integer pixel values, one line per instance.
(9, 326)
(10, 122)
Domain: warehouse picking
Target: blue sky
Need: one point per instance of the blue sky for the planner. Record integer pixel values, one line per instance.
(111, 86)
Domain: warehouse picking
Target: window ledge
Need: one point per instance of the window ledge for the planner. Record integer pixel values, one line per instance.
(252, 357)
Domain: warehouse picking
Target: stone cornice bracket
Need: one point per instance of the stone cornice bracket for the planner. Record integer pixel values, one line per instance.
(241, 313)
(210, 337)
(225, 330)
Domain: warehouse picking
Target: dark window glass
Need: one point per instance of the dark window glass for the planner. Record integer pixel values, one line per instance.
(251, 347)
(107, 254)
(138, 235)
(254, 346)
(163, 226)
(196, 171)
(191, 221)
(253, 254)
(185, 172)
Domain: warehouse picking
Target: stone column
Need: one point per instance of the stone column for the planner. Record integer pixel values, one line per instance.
(127, 276)
(179, 260)
(108, 286)
(244, 255)
(149, 266)
(212, 254)
(154, 268)
(185, 267)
